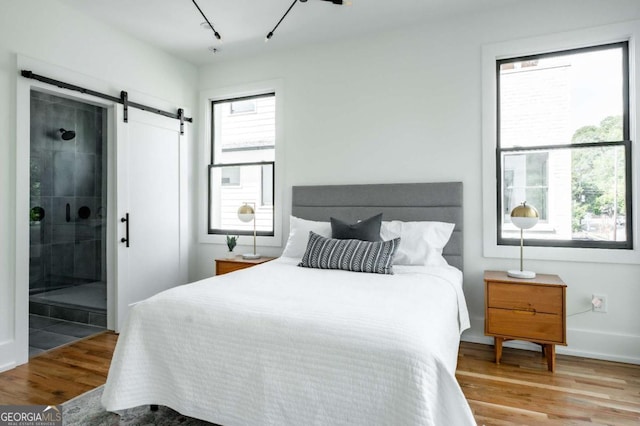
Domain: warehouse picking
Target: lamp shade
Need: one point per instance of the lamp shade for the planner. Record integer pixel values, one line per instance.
(246, 213)
(524, 216)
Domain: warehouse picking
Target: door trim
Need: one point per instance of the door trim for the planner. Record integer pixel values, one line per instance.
(15, 351)
(23, 158)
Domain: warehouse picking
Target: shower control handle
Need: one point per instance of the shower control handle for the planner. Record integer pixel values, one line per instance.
(125, 220)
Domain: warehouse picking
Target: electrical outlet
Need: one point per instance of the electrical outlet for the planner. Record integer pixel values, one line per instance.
(599, 303)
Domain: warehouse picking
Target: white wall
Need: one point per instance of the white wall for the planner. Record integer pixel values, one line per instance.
(406, 106)
(57, 35)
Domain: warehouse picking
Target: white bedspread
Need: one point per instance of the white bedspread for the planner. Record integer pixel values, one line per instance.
(277, 344)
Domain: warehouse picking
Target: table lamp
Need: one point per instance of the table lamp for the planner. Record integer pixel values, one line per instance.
(523, 217)
(247, 213)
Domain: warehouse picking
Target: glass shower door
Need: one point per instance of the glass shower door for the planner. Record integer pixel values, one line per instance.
(67, 217)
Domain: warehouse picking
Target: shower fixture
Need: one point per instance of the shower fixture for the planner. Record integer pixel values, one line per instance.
(67, 135)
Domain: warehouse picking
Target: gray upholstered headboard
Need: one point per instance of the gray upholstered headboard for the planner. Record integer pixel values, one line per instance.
(401, 201)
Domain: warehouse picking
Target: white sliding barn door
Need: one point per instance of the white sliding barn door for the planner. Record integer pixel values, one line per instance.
(151, 190)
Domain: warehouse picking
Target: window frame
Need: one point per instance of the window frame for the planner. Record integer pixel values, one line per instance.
(214, 164)
(612, 33)
(626, 143)
(205, 153)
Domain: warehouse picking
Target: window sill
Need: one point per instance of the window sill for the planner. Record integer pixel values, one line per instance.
(570, 254)
(245, 240)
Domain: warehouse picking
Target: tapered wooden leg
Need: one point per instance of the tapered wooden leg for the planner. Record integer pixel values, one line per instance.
(550, 351)
(497, 342)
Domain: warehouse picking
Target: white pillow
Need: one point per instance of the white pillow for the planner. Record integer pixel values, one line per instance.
(421, 243)
(299, 235)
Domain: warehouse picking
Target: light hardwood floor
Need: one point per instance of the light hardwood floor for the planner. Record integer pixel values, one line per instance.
(58, 375)
(519, 391)
(522, 391)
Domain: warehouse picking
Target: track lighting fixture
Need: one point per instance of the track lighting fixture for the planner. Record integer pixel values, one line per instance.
(338, 2)
(208, 25)
(215, 33)
(268, 37)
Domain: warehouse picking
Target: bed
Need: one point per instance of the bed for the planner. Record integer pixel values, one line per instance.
(280, 344)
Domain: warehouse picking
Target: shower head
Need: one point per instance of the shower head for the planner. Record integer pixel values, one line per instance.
(67, 135)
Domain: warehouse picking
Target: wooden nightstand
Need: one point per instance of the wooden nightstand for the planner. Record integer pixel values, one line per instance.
(526, 309)
(224, 266)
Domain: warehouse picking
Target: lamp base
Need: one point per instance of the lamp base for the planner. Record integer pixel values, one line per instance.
(251, 256)
(521, 274)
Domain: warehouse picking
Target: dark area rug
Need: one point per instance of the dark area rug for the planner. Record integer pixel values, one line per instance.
(86, 409)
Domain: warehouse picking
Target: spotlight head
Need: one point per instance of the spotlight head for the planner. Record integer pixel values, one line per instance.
(216, 34)
(268, 37)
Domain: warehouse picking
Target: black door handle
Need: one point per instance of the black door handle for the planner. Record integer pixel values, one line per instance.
(125, 220)
(68, 213)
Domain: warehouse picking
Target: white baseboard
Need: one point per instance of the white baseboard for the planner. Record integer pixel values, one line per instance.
(7, 367)
(583, 343)
(7, 355)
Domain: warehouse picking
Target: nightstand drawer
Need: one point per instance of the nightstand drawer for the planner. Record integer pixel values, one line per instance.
(526, 325)
(224, 266)
(525, 297)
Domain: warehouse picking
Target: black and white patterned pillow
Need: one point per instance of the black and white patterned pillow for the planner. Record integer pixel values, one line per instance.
(349, 255)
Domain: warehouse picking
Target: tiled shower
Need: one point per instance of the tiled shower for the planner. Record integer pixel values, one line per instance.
(67, 273)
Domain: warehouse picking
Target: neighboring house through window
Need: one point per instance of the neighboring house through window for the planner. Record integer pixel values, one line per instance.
(563, 146)
(242, 168)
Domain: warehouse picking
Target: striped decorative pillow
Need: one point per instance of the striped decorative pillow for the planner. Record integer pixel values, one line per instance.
(349, 255)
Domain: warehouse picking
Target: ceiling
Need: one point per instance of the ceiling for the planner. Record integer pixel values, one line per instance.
(174, 25)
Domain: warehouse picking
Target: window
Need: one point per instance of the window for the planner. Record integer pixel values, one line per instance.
(563, 146)
(526, 178)
(230, 176)
(242, 107)
(242, 168)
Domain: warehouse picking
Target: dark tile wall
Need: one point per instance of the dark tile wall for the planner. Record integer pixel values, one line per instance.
(65, 248)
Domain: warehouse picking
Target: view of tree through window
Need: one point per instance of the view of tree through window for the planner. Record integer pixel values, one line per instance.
(563, 146)
(598, 183)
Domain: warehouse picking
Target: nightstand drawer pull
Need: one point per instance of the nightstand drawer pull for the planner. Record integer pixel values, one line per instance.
(524, 311)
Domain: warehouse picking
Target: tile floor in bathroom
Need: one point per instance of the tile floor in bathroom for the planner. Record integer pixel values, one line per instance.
(47, 333)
